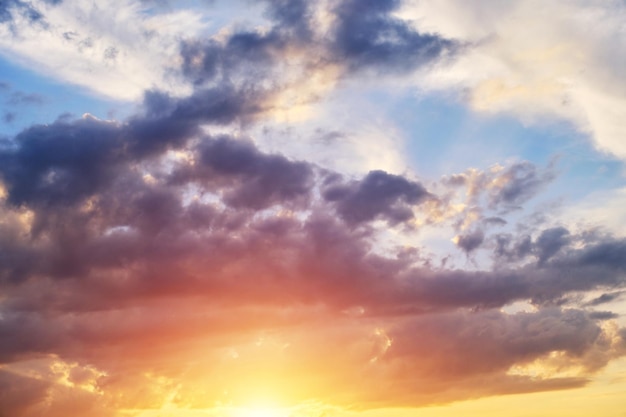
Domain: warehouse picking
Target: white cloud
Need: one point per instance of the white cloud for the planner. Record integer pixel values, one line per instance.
(536, 59)
(115, 50)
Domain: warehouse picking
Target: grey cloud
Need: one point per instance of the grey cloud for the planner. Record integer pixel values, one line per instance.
(610, 252)
(292, 15)
(550, 241)
(603, 315)
(60, 162)
(484, 342)
(367, 36)
(546, 245)
(255, 180)
(248, 55)
(470, 241)
(564, 274)
(377, 195)
(605, 298)
(521, 181)
(67, 161)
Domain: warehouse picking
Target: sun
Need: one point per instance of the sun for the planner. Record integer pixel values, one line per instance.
(260, 412)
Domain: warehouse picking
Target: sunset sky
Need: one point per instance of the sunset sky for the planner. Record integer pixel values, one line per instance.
(333, 208)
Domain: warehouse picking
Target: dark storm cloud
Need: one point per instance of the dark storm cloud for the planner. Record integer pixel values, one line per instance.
(378, 195)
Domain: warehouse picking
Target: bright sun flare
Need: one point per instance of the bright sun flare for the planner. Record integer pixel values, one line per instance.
(260, 412)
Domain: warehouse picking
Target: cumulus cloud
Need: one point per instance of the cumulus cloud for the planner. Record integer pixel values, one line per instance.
(378, 195)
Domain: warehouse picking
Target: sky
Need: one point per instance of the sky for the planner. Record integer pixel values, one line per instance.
(332, 208)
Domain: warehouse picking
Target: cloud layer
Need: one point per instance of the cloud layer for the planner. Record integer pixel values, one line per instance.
(168, 260)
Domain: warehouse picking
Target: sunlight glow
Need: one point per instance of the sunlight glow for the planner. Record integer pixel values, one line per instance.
(260, 412)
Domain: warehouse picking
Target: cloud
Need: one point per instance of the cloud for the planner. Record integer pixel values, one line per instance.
(550, 241)
(109, 51)
(254, 180)
(506, 187)
(368, 36)
(534, 61)
(378, 195)
(144, 242)
(168, 259)
(98, 48)
(605, 298)
(470, 241)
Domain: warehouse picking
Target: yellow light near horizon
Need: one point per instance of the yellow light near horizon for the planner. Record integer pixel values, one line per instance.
(260, 412)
